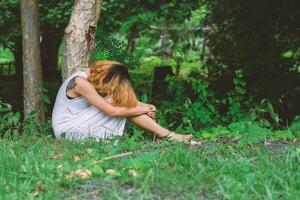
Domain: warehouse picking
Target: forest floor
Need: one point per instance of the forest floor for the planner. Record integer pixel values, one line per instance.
(40, 167)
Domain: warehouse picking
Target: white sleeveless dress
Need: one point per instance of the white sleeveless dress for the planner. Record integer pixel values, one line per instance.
(79, 120)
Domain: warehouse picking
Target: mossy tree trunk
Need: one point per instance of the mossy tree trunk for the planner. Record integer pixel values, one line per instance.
(78, 42)
(32, 71)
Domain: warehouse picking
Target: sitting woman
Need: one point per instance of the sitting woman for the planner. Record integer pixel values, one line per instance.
(97, 101)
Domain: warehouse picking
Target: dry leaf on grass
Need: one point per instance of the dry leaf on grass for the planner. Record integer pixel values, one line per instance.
(82, 173)
(96, 193)
(110, 171)
(132, 172)
(89, 150)
(76, 158)
(36, 193)
(39, 187)
(194, 143)
(56, 157)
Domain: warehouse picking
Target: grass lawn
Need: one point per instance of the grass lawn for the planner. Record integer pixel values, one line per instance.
(40, 167)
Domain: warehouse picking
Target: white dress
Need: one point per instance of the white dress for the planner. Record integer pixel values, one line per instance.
(78, 119)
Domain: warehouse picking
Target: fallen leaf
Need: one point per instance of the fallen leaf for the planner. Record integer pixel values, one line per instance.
(76, 158)
(56, 157)
(110, 171)
(130, 190)
(82, 173)
(36, 193)
(39, 187)
(194, 143)
(96, 193)
(132, 172)
(295, 140)
(59, 167)
(89, 150)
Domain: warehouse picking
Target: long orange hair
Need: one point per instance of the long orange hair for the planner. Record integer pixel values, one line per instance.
(111, 78)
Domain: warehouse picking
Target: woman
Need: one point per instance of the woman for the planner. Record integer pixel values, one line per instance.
(97, 101)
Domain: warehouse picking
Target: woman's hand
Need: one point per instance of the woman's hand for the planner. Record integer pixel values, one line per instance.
(149, 110)
(152, 112)
(152, 115)
(145, 108)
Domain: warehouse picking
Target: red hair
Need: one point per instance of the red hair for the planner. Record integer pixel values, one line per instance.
(111, 78)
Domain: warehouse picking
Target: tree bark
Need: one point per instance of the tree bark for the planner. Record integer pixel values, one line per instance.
(78, 42)
(165, 43)
(202, 55)
(32, 71)
(131, 38)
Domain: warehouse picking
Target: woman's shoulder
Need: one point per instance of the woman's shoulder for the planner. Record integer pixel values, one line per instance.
(81, 73)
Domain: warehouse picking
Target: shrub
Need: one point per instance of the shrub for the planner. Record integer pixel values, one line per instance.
(10, 123)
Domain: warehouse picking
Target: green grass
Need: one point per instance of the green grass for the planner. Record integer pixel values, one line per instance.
(38, 165)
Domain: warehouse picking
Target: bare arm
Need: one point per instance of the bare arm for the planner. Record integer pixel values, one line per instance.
(87, 90)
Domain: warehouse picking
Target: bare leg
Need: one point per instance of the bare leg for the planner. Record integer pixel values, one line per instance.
(147, 123)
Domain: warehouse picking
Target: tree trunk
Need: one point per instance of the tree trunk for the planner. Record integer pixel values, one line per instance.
(51, 40)
(202, 55)
(33, 87)
(131, 38)
(78, 42)
(165, 43)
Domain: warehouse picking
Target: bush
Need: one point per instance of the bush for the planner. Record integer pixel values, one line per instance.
(10, 123)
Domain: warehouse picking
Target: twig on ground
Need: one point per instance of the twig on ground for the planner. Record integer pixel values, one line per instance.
(121, 155)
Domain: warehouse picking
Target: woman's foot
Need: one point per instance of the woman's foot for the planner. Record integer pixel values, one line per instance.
(179, 137)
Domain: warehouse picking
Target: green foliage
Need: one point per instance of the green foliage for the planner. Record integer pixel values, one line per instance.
(53, 14)
(264, 111)
(110, 48)
(295, 127)
(262, 38)
(198, 16)
(10, 122)
(194, 108)
(5, 55)
(141, 20)
(200, 108)
(151, 61)
(236, 98)
(10, 27)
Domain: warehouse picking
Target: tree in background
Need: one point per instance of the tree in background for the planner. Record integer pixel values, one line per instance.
(79, 36)
(126, 16)
(152, 17)
(55, 15)
(33, 86)
(10, 35)
(171, 14)
(54, 18)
